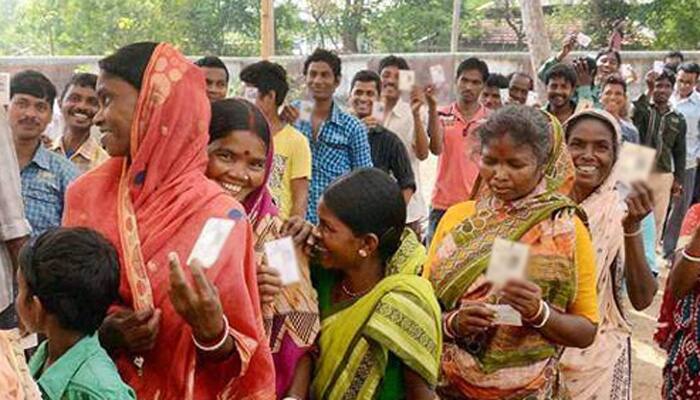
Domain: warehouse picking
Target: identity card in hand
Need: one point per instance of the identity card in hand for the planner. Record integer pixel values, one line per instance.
(508, 261)
(282, 257)
(636, 162)
(506, 315)
(250, 93)
(406, 80)
(437, 74)
(306, 108)
(583, 40)
(4, 89)
(659, 67)
(210, 242)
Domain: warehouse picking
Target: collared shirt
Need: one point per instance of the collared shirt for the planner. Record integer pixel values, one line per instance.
(390, 155)
(85, 371)
(690, 109)
(13, 224)
(88, 156)
(340, 147)
(629, 131)
(400, 121)
(663, 132)
(44, 183)
(458, 165)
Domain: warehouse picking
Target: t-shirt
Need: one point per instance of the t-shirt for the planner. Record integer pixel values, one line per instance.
(292, 160)
(389, 155)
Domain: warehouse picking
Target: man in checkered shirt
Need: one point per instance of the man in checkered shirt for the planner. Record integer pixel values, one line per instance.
(338, 140)
(45, 175)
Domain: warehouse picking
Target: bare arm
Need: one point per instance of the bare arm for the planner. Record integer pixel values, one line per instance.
(420, 146)
(434, 126)
(300, 197)
(684, 275)
(640, 281)
(299, 388)
(416, 387)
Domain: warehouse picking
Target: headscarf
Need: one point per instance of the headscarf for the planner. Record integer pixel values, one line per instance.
(157, 201)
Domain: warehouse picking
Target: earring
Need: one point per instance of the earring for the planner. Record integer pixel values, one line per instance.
(362, 253)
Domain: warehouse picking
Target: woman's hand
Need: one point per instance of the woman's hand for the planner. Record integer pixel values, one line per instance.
(199, 304)
(472, 318)
(301, 232)
(640, 202)
(134, 331)
(269, 283)
(524, 296)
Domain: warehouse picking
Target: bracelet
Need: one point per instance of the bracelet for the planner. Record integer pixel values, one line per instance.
(539, 312)
(218, 344)
(547, 314)
(633, 234)
(448, 325)
(692, 259)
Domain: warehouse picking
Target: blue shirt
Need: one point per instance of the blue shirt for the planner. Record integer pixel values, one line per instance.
(44, 183)
(340, 147)
(629, 131)
(690, 109)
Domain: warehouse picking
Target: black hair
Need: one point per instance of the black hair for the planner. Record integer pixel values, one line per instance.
(690, 68)
(75, 274)
(667, 74)
(368, 200)
(473, 63)
(615, 53)
(523, 74)
(497, 80)
(561, 70)
(129, 62)
(328, 57)
(615, 79)
(367, 76)
(392, 61)
(212, 62)
(267, 76)
(236, 114)
(524, 124)
(81, 79)
(33, 83)
(675, 54)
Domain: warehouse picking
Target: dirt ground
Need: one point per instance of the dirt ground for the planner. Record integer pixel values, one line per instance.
(647, 357)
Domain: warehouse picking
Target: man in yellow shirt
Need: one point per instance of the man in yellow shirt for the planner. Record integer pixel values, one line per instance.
(78, 104)
(291, 172)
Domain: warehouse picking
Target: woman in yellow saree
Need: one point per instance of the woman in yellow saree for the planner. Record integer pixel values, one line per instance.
(380, 329)
(524, 173)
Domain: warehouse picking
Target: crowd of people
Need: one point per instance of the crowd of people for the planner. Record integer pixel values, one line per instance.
(156, 163)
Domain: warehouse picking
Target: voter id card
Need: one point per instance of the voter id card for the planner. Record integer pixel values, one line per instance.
(282, 257)
(636, 163)
(437, 74)
(378, 111)
(406, 80)
(4, 89)
(506, 315)
(306, 108)
(211, 241)
(508, 261)
(583, 40)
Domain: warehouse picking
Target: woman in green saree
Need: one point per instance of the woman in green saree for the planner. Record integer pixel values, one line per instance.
(380, 329)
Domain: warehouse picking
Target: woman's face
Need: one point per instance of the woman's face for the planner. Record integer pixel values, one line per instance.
(607, 64)
(339, 245)
(510, 170)
(591, 146)
(27, 306)
(118, 101)
(237, 163)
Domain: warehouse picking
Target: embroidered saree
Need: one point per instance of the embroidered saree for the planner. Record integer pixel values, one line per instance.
(365, 343)
(510, 362)
(155, 202)
(16, 381)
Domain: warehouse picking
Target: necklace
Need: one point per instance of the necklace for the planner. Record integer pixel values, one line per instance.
(352, 294)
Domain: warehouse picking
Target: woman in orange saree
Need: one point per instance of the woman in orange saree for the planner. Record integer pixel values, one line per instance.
(150, 199)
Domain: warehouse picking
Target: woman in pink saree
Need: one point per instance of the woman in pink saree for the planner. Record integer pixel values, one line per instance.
(170, 339)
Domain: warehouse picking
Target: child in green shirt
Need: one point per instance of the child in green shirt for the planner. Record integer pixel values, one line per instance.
(67, 279)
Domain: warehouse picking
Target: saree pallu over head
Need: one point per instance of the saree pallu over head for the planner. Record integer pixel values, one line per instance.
(603, 370)
(510, 362)
(400, 316)
(157, 201)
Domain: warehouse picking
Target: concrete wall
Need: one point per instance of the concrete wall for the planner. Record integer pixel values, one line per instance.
(59, 69)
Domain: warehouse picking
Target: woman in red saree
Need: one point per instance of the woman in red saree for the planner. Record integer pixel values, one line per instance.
(150, 199)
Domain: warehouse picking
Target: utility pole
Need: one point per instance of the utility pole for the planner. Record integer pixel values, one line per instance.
(267, 29)
(537, 38)
(454, 37)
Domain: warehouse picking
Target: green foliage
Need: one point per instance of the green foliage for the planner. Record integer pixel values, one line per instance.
(674, 22)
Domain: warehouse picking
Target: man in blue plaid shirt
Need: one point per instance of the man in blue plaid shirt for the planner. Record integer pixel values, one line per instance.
(45, 175)
(338, 140)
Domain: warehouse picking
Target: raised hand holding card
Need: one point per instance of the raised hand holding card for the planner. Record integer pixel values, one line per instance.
(406, 80)
(437, 74)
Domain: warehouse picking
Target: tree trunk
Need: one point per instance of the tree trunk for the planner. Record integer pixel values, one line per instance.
(537, 38)
(454, 37)
(267, 29)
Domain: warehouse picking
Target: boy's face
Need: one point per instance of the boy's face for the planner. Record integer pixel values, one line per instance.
(28, 307)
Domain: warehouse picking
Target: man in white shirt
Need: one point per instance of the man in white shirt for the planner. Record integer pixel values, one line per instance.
(14, 228)
(419, 129)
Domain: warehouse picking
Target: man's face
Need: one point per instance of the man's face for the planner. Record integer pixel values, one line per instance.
(491, 98)
(518, 89)
(28, 116)
(78, 107)
(559, 91)
(672, 62)
(686, 83)
(362, 97)
(390, 82)
(662, 91)
(217, 84)
(320, 80)
(614, 99)
(470, 83)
